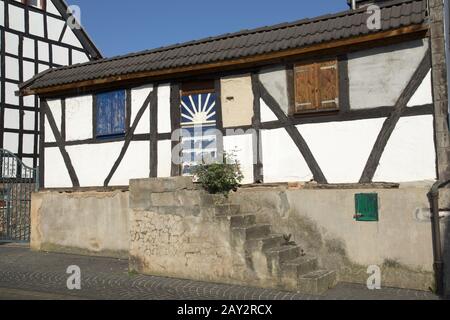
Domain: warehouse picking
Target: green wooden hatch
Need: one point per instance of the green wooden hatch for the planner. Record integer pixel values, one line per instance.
(366, 205)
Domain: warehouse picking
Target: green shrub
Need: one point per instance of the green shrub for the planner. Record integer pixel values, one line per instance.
(219, 178)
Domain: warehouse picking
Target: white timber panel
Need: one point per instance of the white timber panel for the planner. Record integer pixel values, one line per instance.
(16, 18)
(164, 158)
(43, 51)
(56, 174)
(93, 162)
(60, 55)
(71, 39)
(28, 143)
(378, 76)
(281, 158)
(342, 148)
(242, 147)
(12, 43)
(10, 93)
(275, 82)
(164, 122)
(11, 142)
(266, 114)
(36, 24)
(28, 120)
(424, 94)
(12, 68)
(135, 164)
(28, 48)
(28, 70)
(79, 118)
(55, 27)
(55, 109)
(79, 57)
(138, 96)
(410, 154)
(52, 9)
(12, 118)
(2, 13)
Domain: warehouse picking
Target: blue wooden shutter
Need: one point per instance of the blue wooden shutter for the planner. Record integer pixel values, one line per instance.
(111, 113)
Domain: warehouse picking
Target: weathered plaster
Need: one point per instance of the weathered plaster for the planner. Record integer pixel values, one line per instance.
(275, 81)
(237, 101)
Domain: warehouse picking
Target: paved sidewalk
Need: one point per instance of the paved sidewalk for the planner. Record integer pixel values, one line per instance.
(42, 276)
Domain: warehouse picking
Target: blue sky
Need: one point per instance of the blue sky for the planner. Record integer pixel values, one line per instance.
(120, 27)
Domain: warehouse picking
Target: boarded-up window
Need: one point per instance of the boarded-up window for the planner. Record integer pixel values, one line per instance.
(316, 87)
(110, 114)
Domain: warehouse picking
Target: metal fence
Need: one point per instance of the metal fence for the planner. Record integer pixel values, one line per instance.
(17, 182)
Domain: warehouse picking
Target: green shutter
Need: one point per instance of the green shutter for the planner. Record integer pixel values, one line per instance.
(366, 207)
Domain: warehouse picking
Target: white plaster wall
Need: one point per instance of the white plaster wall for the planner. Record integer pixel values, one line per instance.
(164, 121)
(2, 13)
(16, 18)
(164, 158)
(28, 143)
(79, 57)
(275, 81)
(11, 142)
(281, 158)
(93, 162)
(43, 51)
(12, 118)
(10, 96)
(12, 68)
(28, 48)
(410, 154)
(378, 76)
(55, 108)
(12, 43)
(52, 9)
(70, 38)
(79, 118)
(266, 114)
(28, 70)
(36, 23)
(135, 164)
(242, 147)
(424, 94)
(56, 174)
(28, 120)
(55, 27)
(138, 96)
(342, 148)
(60, 55)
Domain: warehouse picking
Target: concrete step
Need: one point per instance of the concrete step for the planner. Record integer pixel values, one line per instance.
(240, 221)
(255, 231)
(283, 254)
(265, 243)
(299, 266)
(227, 210)
(317, 282)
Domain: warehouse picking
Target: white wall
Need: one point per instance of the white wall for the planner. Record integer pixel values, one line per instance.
(282, 160)
(164, 158)
(56, 174)
(135, 164)
(79, 118)
(424, 94)
(164, 121)
(55, 109)
(93, 162)
(138, 96)
(410, 154)
(342, 148)
(242, 147)
(378, 76)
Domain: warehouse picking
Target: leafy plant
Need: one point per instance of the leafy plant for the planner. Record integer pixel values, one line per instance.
(220, 177)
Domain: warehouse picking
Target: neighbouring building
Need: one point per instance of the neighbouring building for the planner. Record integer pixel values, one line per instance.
(333, 100)
(34, 37)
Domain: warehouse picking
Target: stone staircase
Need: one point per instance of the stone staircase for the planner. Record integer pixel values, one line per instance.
(282, 262)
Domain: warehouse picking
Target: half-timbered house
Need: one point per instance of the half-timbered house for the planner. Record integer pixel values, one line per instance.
(34, 37)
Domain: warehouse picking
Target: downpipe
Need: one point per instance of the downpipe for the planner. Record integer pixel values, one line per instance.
(438, 263)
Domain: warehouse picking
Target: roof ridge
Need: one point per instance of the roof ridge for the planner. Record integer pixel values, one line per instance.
(243, 32)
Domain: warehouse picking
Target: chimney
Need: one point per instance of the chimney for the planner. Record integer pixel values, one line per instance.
(365, 3)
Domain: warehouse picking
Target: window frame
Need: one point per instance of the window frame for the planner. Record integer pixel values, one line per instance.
(126, 119)
(292, 85)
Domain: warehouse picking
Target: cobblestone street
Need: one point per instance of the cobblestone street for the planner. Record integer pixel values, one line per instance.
(42, 276)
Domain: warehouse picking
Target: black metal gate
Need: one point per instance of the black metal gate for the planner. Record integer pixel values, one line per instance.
(17, 182)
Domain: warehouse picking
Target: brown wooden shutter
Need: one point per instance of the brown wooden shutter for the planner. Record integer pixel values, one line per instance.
(328, 85)
(305, 88)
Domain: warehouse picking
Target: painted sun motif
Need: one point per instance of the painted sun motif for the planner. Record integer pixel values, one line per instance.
(198, 109)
